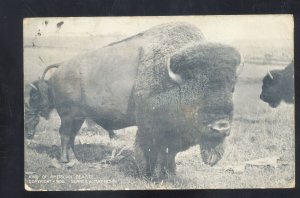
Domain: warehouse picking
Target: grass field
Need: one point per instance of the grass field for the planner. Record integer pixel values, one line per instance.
(259, 132)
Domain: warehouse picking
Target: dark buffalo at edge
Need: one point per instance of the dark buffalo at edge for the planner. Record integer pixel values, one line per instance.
(278, 85)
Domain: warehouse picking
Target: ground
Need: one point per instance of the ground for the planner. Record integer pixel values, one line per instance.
(259, 131)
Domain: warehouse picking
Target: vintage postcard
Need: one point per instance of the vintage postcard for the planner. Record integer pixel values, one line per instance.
(173, 102)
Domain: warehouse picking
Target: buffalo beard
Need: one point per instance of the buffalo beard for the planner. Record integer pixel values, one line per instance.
(31, 120)
(211, 149)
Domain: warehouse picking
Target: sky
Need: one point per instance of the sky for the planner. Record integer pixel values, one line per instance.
(215, 28)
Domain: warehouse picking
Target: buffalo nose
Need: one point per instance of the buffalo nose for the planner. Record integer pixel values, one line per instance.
(221, 126)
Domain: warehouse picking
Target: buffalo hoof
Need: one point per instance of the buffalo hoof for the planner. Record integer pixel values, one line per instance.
(112, 135)
(165, 168)
(55, 163)
(58, 164)
(64, 160)
(72, 163)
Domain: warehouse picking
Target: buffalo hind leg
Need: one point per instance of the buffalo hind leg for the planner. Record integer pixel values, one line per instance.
(111, 133)
(68, 130)
(76, 127)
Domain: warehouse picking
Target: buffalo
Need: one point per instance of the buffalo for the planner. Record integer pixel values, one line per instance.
(278, 85)
(194, 108)
(168, 81)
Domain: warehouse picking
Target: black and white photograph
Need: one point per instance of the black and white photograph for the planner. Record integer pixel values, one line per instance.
(159, 102)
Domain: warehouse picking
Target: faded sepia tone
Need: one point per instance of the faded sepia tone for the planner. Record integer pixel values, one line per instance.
(256, 104)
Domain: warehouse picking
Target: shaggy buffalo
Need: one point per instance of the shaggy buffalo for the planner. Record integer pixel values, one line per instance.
(194, 107)
(278, 85)
(168, 81)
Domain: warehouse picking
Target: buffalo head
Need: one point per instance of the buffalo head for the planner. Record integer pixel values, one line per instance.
(40, 104)
(206, 74)
(278, 85)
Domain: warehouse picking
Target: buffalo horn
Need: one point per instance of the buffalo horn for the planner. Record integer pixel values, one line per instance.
(32, 85)
(175, 77)
(271, 76)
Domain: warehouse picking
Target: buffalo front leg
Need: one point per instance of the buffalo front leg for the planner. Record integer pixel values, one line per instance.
(145, 154)
(68, 130)
(166, 163)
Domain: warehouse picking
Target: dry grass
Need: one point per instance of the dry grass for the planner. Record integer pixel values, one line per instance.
(258, 132)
